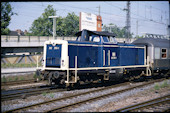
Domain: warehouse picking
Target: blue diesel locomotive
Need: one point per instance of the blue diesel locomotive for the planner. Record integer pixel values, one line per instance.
(93, 57)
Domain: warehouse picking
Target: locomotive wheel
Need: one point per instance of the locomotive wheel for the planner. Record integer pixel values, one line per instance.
(50, 80)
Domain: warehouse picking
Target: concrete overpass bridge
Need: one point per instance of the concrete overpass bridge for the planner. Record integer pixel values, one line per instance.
(27, 49)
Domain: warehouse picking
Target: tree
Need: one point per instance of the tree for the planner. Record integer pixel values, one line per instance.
(71, 24)
(6, 13)
(43, 26)
(120, 33)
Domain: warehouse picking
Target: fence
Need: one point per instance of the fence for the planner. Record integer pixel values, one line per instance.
(8, 59)
(6, 38)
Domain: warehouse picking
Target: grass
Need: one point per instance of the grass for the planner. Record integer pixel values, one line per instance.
(163, 85)
(4, 79)
(51, 95)
(48, 94)
(44, 93)
(156, 87)
(37, 77)
(17, 78)
(19, 65)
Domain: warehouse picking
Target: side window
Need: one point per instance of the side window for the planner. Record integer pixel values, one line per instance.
(105, 39)
(96, 39)
(164, 53)
(157, 53)
(90, 38)
(78, 38)
(113, 40)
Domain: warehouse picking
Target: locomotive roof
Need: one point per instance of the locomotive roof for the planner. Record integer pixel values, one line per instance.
(101, 33)
(156, 42)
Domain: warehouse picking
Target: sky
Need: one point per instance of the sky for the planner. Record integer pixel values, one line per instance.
(151, 16)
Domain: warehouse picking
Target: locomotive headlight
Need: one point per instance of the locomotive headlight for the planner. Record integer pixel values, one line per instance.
(62, 62)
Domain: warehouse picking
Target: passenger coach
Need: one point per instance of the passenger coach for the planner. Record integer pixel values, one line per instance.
(158, 50)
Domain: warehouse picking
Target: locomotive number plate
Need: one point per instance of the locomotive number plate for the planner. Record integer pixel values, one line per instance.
(112, 71)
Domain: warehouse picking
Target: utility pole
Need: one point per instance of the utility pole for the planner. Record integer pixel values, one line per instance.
(54, 25)
(99, 10)
(136, 28)
(128, 21)
(169, 22)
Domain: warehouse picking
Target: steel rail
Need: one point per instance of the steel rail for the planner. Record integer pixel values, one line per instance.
(98, 97)
(66, 97)
(84, 93)
(18, 94)
(148, 103)
(17, 72)
(26, 87)
(27, 93)
(18, 82)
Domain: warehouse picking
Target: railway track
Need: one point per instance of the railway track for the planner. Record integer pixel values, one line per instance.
(25, 92)
(147, 104)
(62, 107)
(18, 82)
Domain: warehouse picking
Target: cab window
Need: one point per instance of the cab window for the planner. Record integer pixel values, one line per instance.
(95, 38)
(105, 39)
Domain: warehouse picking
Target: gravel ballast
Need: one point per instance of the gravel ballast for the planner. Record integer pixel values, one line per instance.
(103, 105)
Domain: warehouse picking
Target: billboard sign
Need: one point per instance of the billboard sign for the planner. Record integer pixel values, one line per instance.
(87, 21)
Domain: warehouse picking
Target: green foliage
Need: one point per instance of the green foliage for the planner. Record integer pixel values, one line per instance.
(4, 79)
(164, 84)
(22, 78)
(156, 87)
(51, 95)
(44, 93)
(16, 78)
(48, 94)
(43, 26)
(139, 36)
(35, 76)
(20, 65)
(71, 24)
(6, 13)
(119, 32)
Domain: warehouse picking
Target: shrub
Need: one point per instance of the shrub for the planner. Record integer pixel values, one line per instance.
(164, 84)
(44, 93)
(16, 78)
(4, 79)
(156, 87)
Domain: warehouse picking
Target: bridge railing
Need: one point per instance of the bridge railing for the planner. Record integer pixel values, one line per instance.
(7, 38)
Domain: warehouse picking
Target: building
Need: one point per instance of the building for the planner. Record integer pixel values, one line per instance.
(17, 32)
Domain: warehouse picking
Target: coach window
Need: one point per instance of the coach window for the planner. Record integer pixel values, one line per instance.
(164, 53)
(157, 53)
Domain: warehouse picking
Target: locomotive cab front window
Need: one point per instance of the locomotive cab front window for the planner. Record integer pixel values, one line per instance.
(95, 38)
(78, 38)
(113, 40)
(164, 53)
(105, 39)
